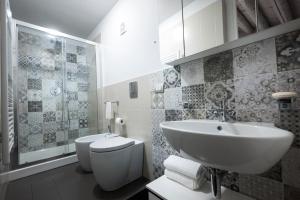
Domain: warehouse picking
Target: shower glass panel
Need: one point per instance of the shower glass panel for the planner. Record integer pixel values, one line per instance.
(80, 82)
(56, 94)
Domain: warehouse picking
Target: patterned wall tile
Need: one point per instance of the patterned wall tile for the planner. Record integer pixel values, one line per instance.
(260, 188)
(230, 115)
(36, 128)
(49, 127)
(35, 142)
(218, 92)
(192, 73)
(158, 157)
(73, 134)
(287, 48)
(71, 86)
(82, 96)
(83, 105)
(83, 123)
(173, 98)
(84, 132)
(156, 80)
(80, 50)
(218, 67)
(23, 118)
(194, 96)
(23, 107)
(158, 116)
(274, 173)
(73, 105)
(73, 114)
(172, 77)
(49, 105)
(289, 120)
(60, 136)
(81, 59)
(49, 138)
(231, 181)
(74, 124)
(60, 126)
(291, 168)
(35, 106)
(49, 116)
(48, 87)
(34, 95)
(35, 117)
(270, 116)
(83, 114)
(71, 67)
(256, 58)
(84, 87)
(23, 130)
(23, 143)
(72, 58)
(82, 68)
(255, 92)
(291, 193)
(71, 76)
(72, 96)
(289, 81)
(34, 84)
(193, 114)
(157, 100)
(22, 94)
(71, 48)
(173, 115)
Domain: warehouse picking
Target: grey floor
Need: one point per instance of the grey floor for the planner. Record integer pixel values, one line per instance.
(70, 183)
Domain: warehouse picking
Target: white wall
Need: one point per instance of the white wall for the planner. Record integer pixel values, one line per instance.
(135, 53)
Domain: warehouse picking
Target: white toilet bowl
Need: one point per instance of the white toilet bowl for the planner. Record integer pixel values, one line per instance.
(83, 149)
(116, 161)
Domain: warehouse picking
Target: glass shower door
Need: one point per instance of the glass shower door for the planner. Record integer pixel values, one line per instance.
(80, 90)
(40, 96)
(56, 86)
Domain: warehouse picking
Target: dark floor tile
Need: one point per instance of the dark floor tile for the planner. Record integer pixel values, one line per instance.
(45, 189)
(17, 190)
(69, 183)
(291, 193)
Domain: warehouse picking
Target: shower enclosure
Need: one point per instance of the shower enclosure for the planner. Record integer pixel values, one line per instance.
(55, 92)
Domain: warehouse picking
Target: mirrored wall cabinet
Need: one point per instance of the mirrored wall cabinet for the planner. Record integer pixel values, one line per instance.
(187, 27)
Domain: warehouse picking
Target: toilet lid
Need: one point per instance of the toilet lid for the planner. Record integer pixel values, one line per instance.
(111, 144)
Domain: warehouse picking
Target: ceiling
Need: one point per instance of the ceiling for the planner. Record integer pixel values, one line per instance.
(74, 17)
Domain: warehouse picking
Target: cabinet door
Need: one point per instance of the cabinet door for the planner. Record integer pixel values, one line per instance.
(170, 30)
(203, 25)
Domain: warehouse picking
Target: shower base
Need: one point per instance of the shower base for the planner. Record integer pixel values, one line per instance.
(42, 154)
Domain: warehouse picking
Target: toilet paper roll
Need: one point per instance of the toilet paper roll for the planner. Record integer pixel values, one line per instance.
(119, 123)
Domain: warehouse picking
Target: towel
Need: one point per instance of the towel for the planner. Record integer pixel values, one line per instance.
(188, 182)
(184, 166)
(108, 111)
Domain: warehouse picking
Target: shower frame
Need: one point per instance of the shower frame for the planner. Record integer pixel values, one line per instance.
(55, 33)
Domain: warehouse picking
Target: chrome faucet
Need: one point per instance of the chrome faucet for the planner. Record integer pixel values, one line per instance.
(222, 117)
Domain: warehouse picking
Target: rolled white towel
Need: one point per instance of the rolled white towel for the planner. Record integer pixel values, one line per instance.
(188, 182)
(184, 166)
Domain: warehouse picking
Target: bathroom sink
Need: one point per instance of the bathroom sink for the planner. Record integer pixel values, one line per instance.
(238, 147)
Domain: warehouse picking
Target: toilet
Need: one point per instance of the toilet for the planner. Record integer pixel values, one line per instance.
(116, 161)
(82, 145)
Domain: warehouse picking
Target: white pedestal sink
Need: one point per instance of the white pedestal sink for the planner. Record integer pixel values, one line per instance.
(238, 147)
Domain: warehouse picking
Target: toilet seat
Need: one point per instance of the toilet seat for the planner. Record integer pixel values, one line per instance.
(111, 144)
